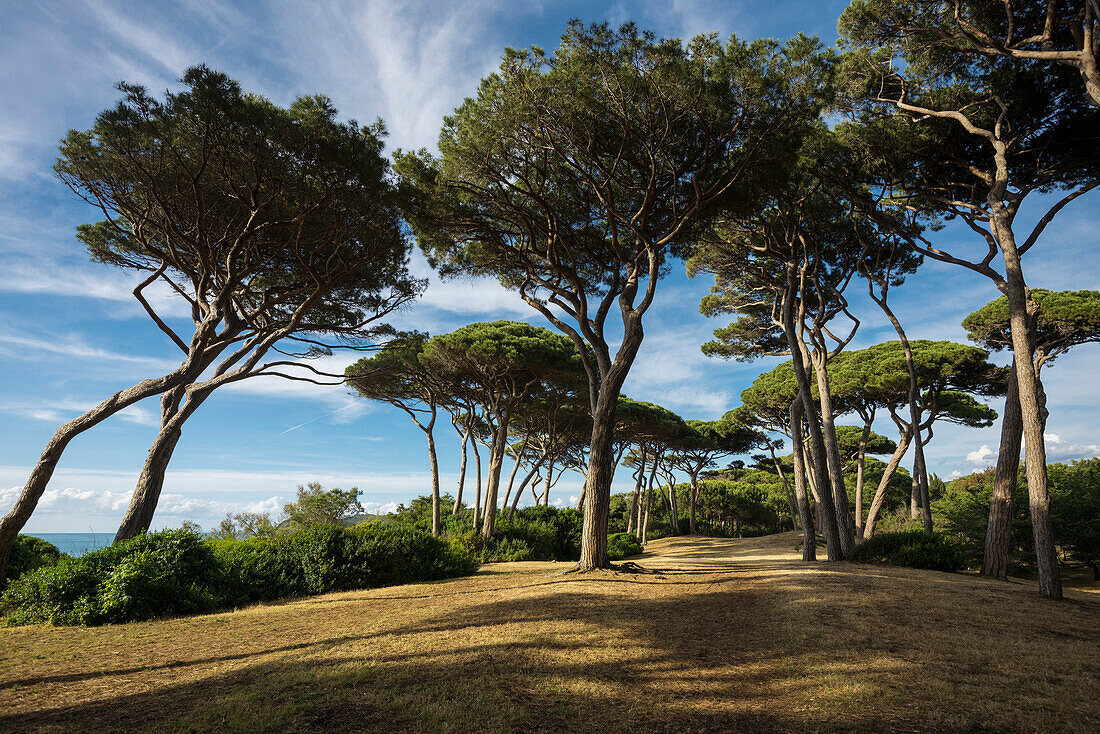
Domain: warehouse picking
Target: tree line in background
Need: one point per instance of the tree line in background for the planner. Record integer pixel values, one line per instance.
(789, 172)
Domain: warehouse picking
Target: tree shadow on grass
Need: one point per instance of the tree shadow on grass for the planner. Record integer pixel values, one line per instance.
(601, 654)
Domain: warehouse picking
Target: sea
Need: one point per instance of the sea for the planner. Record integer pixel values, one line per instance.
(76, 544)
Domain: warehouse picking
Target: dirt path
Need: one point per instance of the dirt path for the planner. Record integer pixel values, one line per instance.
(721, 554)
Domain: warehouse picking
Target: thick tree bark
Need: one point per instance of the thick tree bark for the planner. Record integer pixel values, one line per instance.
(492, 483)
(146, 496)
(998, 537)
(809, 537)
(1021, 307)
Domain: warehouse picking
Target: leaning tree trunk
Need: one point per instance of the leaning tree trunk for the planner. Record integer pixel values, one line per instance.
(809, 537)
(17, 517)
(146, 496)
(795, 519)
(522, 486)
(515, 469)
(884, 483)
(998, 535)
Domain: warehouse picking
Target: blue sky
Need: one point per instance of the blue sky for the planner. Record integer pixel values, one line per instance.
(71, 334)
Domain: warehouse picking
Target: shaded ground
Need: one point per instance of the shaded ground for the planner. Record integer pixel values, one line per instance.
(718, 635)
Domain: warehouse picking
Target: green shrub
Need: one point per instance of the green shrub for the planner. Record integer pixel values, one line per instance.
(621, 545)
(258, 569)
(913, 549)
(158, 574)
(27, 554)
(176, 572)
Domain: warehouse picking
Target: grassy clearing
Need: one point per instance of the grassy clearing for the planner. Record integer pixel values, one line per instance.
(729, 635)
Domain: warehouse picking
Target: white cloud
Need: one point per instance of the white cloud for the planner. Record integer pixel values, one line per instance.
(58, 411)
(72, 345)
(1060, 450)
(982, 457)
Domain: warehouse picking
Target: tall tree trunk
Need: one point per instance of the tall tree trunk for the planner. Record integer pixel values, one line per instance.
(477, 484)
(1021, 308)
(922, 484)
(647, 503)
(434, 461)
(673, 508)
(461, 474)
(639, 479)
(861, 464)
(809, 537)
(919, 487)
(492, 482)
(597, 487)
(693, 491)
(998, 536)
(832, 458)
(884, 483)
(827, 518)
(549, 474)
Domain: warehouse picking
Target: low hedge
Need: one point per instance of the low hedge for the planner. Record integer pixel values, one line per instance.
(621, 545)
(177, 572)
(27, 554)
(912, 549)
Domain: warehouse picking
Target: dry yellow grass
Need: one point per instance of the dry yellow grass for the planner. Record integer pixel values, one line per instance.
(727, 636)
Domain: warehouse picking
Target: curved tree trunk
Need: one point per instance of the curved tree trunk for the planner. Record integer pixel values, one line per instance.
(809, 537)
(146, 496)
(880, 493)
(17, 517)
(998, 536)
